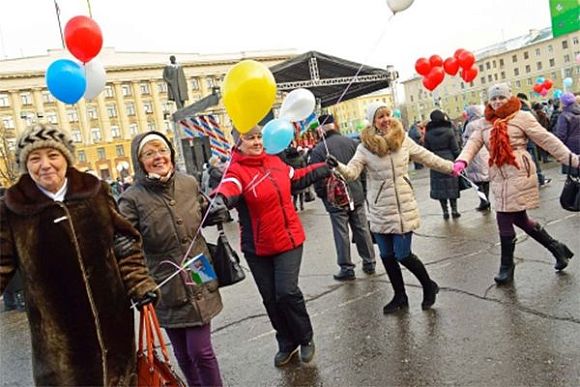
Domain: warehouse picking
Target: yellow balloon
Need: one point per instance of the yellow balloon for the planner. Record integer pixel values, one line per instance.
(249, 91)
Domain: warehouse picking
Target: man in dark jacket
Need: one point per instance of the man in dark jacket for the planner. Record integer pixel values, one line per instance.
(343, 148)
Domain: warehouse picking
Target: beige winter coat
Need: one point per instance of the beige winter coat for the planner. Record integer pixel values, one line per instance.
(390, 196)
(516, 189)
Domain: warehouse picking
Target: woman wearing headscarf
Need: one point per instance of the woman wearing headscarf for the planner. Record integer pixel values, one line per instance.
(478, 169)
(58, 226)
(505, 133)
(384, 153)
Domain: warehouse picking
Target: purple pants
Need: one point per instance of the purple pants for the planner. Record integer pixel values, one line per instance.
(507, 220)
(194, 353)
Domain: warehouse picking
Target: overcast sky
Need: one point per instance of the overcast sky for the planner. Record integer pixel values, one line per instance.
(361, 30)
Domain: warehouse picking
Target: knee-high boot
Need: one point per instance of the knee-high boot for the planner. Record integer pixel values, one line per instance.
(560, 251)
(454, 212)
(430, 287)
(443, 203)
(400, 300)
(506, 268)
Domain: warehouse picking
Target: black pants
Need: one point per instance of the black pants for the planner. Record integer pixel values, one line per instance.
(277, 279)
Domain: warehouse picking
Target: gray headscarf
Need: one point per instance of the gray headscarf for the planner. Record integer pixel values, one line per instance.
(474, 112)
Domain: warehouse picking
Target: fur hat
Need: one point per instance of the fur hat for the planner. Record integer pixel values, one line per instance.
(43, 136)
(372, 110)
(567, 99)
(151, 137)
(499, 90)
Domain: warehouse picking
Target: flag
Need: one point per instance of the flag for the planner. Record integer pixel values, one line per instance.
(310, 122)
(207, 126)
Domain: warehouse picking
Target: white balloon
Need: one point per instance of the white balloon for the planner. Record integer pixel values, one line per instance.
(96, 78)
(297, 105)
(399, 5)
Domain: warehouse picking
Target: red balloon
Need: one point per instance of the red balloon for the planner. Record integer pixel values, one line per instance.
(466, 59)
(538, 87)
(451, 66)
(83, 38)
(469, 74)
(458, 52)
(429, 84)
(422, 66)
(547, 84)
(435, 61)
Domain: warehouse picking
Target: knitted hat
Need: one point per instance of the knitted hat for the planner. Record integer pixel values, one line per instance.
(439, 116)
(43, 136)
(499, 90)
(151, 137)
(567, 99)
(372, 110)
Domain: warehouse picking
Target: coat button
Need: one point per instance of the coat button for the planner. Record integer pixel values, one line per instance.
(179, 221)
(172, 202)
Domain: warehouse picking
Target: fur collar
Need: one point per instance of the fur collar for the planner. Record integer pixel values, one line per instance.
(381, 145)
(24, 197)
(510, 107)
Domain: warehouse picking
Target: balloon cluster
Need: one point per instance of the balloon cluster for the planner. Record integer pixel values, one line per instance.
(67, 80)
(542, 86)
(434, 68)
(249, 91)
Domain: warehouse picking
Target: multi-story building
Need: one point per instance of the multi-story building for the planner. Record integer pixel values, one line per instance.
(134, 100)
(519, 61)
(351, 114)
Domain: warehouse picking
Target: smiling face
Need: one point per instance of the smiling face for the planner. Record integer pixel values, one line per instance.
(156, 158)
(251, 144)
(381, 120)
(47, 168)
(497, 102)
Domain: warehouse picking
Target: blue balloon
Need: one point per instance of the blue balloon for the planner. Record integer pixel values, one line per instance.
(567, 81)
(557, 93)
(397, 113)
(540, 80)
(277, 135)
(66, 80)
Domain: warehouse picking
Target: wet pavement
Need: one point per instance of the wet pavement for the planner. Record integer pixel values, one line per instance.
(477, 334)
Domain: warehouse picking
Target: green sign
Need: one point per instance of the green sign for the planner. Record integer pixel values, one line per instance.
(565, 16)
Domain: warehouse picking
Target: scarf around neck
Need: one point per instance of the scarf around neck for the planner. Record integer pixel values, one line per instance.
(500, 149)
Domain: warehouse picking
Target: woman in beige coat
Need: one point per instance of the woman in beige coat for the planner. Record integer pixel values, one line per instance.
(505, 131)
(385, 153)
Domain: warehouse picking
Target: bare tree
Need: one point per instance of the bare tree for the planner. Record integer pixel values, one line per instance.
(8, 168)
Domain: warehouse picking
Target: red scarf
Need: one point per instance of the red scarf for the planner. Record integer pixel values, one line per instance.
(500, 149)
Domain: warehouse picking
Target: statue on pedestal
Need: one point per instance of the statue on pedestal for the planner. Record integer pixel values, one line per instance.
(176, 83)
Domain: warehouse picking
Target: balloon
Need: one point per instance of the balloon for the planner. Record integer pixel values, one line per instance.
(96, 78)
(298, 105)
(567, 81)
(578, 59)
(399, 5)
(66, 80)
(429, 84)
(469, 75)
(466, 59)
(434, 78)
(360, 125)
(249, 90)
(277, 135)
(451, 66)
(435, 61)
(547, 84)
(458, 52)
(557, 93)
(543, 92)
(422, 66)
(540, 80)
(83, 38)
(538, 88)
(397, 113)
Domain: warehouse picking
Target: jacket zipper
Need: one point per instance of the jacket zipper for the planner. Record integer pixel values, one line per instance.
(89, 294)
(379, 193)
(282, 208)
(408, 182)
(397, 195)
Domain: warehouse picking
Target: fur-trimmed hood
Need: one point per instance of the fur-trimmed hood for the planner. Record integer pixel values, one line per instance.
(381, 145)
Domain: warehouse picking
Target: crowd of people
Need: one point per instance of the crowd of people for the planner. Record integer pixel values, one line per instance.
(88, 252)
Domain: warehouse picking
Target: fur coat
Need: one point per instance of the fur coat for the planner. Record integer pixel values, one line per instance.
(77, 292)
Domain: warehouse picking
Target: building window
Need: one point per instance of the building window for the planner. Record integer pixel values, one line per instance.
(26, 98)
(92, 113)
(530, 82)
(148, 107)
(552, 62)
(539, 66)
(554, 76)
(150, 125)
(483, 80)
(130, 107)
(538, 52)
(489, 78)
(550, 49)
(101, 155)
(168, 126)
(566, 58)
(528, 68)
(51, 117)
(120, 150)
(133, 130)
(487, 66)
(514, 58)
(501, 63)
(194, 84)
(115, 132)
(480, 68)
(111, 111)
(126, 90)
(162, 87)
(47, 97)
(144, 88)
(72, 115)
(567, 73)
(96, 134)
(564, 44)
(502, 75)
(526, 55)
(4, 101)
(518, 84)
(494, 64)
(109, 93)
(76, 135)
(8, 122)
(209, 82)
(574, 40)
(495, 76)
(412, 99)
(82, 156)
(516, 72)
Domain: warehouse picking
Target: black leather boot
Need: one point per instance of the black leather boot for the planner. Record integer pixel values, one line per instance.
(443, 203)
(506, 268)
(400, 300)
(454, 212)
(560, 251)
(430, 288)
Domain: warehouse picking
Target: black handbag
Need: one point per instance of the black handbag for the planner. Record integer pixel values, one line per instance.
(570, 196)
(226, 262)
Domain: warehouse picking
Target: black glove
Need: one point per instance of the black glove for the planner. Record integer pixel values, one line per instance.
(123, 246)
(331, 161)
(217, 213)
(148, 298)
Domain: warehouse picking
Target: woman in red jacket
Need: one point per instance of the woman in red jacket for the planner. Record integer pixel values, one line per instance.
(259, 185)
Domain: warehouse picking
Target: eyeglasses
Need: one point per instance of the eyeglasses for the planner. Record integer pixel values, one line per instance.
(152, 153)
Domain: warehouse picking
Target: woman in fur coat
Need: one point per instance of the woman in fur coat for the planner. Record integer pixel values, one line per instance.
(58, 227)
(512, 172)
(385, 153)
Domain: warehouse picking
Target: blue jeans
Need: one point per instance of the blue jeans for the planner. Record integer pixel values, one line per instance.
(398, 245)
